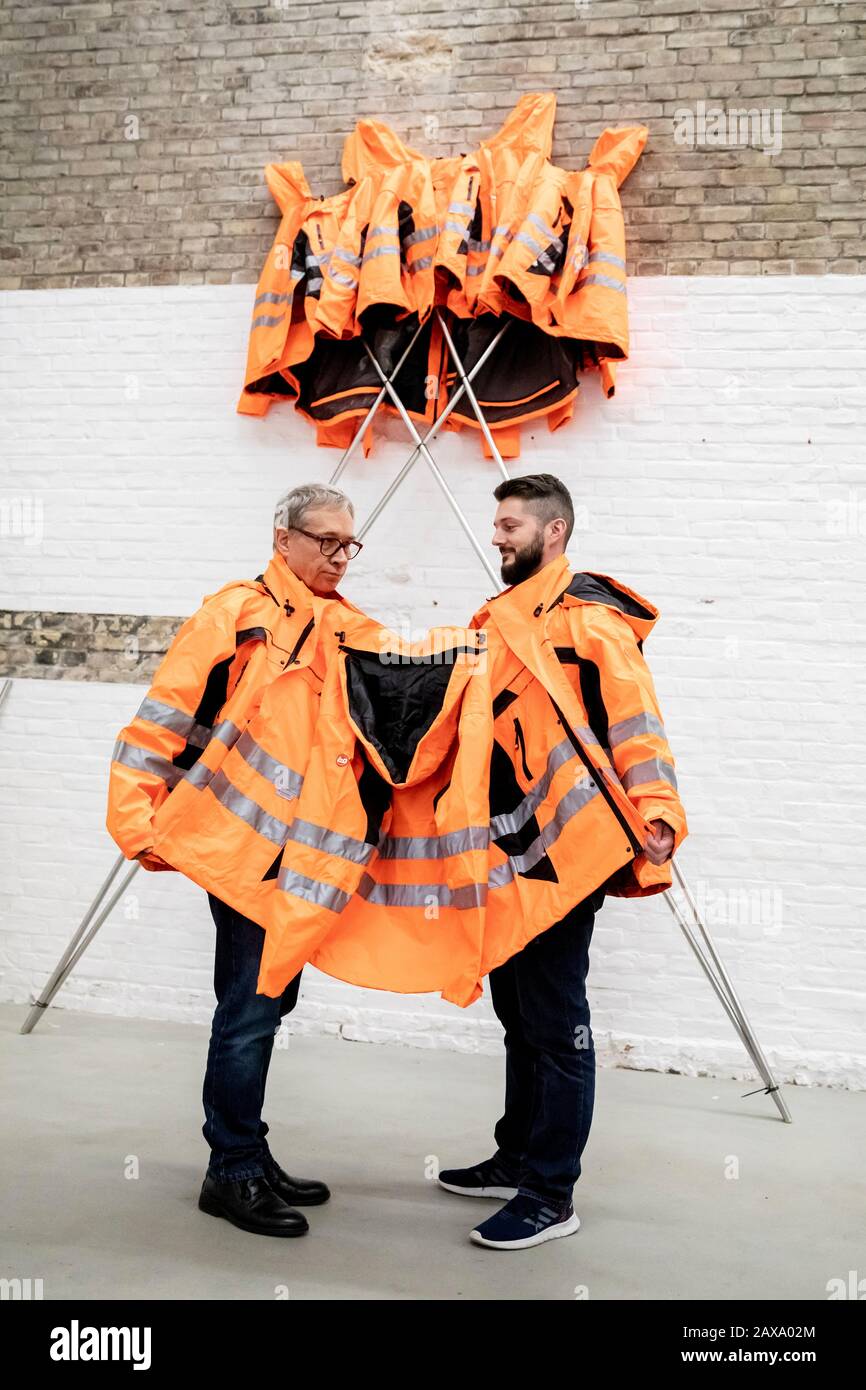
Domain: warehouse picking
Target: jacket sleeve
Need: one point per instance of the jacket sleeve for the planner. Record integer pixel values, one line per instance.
(143, 767)
(639, 750)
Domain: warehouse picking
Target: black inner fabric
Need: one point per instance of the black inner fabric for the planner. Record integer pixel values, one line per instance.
(395, 704)
(597, 590)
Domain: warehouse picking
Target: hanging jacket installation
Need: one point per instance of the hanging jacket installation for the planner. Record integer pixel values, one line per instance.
(498, 232)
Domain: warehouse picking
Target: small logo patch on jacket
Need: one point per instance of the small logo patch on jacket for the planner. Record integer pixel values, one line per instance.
(342, 759)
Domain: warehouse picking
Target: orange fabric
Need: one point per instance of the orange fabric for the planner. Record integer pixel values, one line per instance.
(404, 816)
(500, 230)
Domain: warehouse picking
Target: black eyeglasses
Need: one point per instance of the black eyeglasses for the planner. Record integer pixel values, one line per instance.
(333, 544)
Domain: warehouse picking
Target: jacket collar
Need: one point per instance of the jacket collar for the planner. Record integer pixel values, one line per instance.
(536, 593)
(287, 589)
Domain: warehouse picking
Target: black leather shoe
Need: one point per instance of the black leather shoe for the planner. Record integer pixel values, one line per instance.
(253, 1205)
(298, 1192)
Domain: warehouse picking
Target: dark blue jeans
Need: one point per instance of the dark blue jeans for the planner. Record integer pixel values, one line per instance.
(241, 1043)
(539, 997)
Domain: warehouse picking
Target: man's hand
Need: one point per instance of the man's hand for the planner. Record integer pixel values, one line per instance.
(660, 844)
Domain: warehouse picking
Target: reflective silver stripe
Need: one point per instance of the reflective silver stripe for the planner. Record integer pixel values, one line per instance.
(286, 781)
(580, 255)
(267, 321)
(314, 891)
(546, 262)
(423, 234)
(305, 832)
(542, 226)
(143, 760)
(478, 245)
(270, 298)
(511, 821)
(653, 770)
(167, 716)
(382, 231)
(199, 774)
(271, 827)
(314, 283)
(529, 241)
(420, 894)
(587, 735)
(226, 732)
(602, 280)
(312, 260)
(476, 269)
(156, 712)
(348, 256)
(434, 846)
(461, 207)
(643, 723)
(342, 279)
(572, 803)
(461, 228)
(380, 251)
(297, 273)
(609, 257)
(422, 263)
(503, 230)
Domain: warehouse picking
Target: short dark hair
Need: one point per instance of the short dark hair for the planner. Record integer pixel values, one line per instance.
(548, 497)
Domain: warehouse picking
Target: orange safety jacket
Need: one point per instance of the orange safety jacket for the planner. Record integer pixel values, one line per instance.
(572, 683)
(202, 695)
(408, 816)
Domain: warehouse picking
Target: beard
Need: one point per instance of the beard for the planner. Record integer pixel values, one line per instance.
(524, 562)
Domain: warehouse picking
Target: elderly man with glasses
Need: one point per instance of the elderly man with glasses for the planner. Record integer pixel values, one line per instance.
(240, 640)
(313, 538)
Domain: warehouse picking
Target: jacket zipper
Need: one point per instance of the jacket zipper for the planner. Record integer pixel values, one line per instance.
(300, 642)
(599, 779)
(520, 742)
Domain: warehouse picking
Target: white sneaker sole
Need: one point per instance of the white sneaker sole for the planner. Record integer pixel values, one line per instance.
(504, 1194)
(566, 1228)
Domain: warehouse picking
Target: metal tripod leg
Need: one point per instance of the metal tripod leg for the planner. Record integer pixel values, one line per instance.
(359, 433)
(428, 438)
(721, 983)
(80, 942)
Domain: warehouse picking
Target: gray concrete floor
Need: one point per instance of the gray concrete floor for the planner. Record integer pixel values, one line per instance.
(659, 1217)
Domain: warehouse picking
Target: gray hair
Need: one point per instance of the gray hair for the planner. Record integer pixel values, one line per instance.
(292, 508)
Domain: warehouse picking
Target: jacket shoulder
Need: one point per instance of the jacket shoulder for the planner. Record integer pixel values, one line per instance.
(591, 587)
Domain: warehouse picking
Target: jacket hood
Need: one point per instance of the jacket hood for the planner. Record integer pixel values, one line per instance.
(557, 583)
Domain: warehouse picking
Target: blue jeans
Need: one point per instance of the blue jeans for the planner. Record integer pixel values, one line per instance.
(539, 997)
(241, 1043)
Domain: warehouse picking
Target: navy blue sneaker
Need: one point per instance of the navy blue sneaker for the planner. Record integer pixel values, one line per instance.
(492, 1178)
(526, 1221)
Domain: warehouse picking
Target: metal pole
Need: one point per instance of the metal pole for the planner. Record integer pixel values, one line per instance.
(432, 465)
(359, 433)
(74, 951)
(750, 1039)
(430, 435)
(494, 448)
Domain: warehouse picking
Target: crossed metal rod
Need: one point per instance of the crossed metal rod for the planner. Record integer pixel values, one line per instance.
(709, 959)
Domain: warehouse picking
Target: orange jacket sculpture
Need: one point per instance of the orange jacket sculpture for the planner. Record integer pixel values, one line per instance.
(407, 816)
(499, 232)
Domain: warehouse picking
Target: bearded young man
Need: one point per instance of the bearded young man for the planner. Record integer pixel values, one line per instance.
(539, 994)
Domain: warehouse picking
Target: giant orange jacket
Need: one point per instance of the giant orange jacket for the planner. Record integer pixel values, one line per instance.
(407, 817)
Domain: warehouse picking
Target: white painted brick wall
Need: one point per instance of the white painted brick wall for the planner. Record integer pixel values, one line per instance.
(725, 481)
